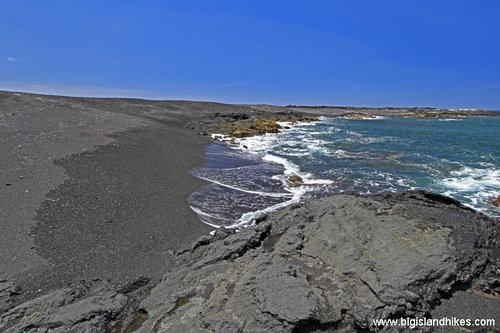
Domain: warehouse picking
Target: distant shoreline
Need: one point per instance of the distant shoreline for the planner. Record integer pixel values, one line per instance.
(333, 109)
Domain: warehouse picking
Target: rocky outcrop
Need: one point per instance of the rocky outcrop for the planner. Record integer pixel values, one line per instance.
(330, 264)
(495, 201)
(8, 293)
(295, 181)
(236, 127)
(298, 119)
(438, 115)
(358, 116)
(237, 117)
(73, 309)
(334, 263)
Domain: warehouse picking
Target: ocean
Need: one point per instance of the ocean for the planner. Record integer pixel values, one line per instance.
(456, 157)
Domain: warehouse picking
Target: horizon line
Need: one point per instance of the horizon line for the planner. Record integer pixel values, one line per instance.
(202, 100)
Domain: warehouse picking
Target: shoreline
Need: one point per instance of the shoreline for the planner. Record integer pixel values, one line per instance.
(294, 183)
(79, 204)
(292, 178)
(85, 199)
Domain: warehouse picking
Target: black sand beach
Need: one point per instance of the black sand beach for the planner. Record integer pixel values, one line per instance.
(122, 210)
(97, 189)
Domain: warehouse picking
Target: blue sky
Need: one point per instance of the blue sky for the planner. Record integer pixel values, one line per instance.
(364, 53)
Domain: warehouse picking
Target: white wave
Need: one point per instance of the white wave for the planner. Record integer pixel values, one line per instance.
(473, 178)
(449, 193)
(476, 184)
(285, 124)
(258, 144)
(317, 148)
(339, 153)
(290, 168)
(314, 132)
(221, 137)
(201, 214)
(368, 140)
(317, 181)
(486, 164)
(297, 136)
(296, 153)
(403, 182)
(247, 219)
(293, 169)
(267, 194)
(353, 133)
(317, 142)
(449, 119)
(376, 140)
(305, 124)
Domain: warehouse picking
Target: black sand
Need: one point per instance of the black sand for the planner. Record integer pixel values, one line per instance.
(79, 202)
(122, 211)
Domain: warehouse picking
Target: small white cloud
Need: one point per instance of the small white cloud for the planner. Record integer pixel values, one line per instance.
(11, 59)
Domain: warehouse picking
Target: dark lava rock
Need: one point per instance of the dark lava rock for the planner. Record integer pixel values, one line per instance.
(495, 202)
(334, 263)
(295, 181)
(330, 264)
(8, 292)
(73, 309)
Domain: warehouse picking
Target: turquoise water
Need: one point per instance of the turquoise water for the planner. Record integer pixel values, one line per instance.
(458, 157)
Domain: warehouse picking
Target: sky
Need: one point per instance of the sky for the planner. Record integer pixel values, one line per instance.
(360, 53)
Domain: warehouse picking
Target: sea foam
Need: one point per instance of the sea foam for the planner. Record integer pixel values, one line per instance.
(337, 155)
